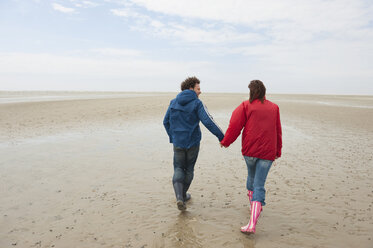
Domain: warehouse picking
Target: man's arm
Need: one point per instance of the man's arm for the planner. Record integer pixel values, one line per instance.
(236, 123)
(208, 121)
(166, 122)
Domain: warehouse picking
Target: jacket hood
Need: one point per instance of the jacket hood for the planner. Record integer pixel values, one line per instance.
(185, 97)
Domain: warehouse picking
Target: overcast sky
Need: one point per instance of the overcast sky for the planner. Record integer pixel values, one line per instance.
(293, 46)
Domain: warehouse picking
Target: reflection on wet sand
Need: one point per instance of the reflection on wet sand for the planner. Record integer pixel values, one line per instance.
(248, 242)
(188, 229)
(183, 232)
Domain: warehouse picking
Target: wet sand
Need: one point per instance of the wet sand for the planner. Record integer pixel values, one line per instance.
(84, 170)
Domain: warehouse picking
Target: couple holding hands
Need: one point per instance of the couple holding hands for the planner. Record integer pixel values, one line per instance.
(261, 140)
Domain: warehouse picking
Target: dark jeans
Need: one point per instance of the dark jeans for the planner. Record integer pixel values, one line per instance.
(184, 161)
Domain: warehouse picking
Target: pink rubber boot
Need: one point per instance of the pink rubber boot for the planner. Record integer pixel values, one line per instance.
(250, 195)
(256, 208)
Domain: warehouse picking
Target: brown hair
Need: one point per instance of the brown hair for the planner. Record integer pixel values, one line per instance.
(257, 90)
(188, 83)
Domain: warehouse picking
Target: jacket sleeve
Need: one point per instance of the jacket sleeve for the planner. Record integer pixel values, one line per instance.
(279, 134)
(236, 124)
(166, 123)
(208, 121)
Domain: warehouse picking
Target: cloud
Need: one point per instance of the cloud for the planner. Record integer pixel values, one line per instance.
(128, 13)
(35, 71)
(267, 11)
(62, 9)
(193, 34)
(189, 32)
(104, 73)
(325, 39)
(284, 21)
(238, 21)
(84, 3)
(292, 44)
(112, 52)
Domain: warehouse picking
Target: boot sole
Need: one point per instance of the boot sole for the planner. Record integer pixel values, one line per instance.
(247, 233)
(181, 205)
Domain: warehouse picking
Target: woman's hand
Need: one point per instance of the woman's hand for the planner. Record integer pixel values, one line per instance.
(275, 162)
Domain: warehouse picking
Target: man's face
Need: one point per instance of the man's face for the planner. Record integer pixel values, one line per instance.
(196, 89)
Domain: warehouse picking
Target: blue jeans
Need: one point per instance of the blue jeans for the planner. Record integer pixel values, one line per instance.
(257, 171)
(184, 161)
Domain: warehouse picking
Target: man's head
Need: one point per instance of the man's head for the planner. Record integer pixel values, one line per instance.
(257, 90)
(191, 83)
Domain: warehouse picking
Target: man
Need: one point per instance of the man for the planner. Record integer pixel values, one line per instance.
(182, 126)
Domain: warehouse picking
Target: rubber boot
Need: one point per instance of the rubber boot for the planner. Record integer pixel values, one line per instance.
(250, 195)
(255, 213)
(186, 195)
(178, 187)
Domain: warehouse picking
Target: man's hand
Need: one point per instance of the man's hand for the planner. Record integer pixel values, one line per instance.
(221, 145)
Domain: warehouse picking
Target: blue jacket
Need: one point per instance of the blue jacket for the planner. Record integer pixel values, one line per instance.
(182, 120)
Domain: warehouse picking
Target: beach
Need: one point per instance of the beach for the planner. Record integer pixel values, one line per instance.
(93, 169)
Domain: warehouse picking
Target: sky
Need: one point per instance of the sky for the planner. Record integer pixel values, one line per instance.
(293, 46)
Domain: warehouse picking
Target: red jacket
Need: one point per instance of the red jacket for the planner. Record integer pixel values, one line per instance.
(261, 136)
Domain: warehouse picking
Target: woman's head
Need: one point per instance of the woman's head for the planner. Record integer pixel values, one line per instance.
(257, 90)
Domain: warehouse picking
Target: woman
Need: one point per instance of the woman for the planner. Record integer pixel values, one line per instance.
(261, 144)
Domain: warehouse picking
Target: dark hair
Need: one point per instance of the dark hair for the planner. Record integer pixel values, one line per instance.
(188, 83)
(257, 90)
